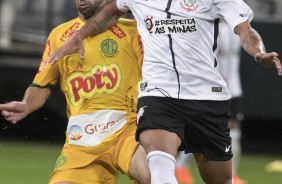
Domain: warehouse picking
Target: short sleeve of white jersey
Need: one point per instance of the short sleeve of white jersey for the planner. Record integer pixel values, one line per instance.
(234, 12)
(122, 5)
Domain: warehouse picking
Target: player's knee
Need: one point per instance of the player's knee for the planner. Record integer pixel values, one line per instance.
(145, 179)
(141, 173)
(138, 168)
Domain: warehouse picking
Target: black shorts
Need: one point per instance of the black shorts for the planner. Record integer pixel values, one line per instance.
(202, 125)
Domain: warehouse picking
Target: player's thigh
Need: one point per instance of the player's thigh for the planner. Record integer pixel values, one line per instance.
(161, 140)
(131, 157)
(76, 166)
(159, 126)
(213, 171)
(95, 173)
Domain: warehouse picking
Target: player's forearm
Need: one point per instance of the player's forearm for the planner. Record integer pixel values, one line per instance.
(253, 43)
(35, 98)
(105, 18)
(250, 39)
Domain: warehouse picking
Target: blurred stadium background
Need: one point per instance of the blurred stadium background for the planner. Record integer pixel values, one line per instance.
(29, 149)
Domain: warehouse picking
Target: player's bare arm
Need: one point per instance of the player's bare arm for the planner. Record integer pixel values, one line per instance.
(34, 99)
(106, 16)
(253, 44)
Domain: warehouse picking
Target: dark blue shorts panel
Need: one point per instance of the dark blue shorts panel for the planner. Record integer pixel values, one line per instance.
(201, 124)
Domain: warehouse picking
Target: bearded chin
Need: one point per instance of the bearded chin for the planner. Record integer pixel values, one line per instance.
(87, 13)
(87, 16)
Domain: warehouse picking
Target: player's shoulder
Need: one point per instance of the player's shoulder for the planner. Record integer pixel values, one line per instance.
(127, 23)
(69, 26)
(128, 26)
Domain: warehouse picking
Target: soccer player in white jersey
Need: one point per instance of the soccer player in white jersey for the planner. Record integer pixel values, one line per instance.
(183, 100)
(228, 58)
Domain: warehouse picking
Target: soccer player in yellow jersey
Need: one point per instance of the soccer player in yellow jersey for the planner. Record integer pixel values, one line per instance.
(101, 95)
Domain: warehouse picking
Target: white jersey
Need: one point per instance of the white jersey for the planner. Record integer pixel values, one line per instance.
(180, 46)
(229, 47)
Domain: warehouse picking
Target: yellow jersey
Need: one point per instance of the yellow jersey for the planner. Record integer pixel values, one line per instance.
(108, 76)
(101, 94)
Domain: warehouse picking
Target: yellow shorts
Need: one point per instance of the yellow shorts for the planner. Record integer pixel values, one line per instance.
(97, 164)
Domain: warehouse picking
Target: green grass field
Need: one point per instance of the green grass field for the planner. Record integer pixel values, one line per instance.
(31, 163)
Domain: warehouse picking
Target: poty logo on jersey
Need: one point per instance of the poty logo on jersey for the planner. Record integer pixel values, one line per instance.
(101, 79)
(75, 132)
(170, 26)
(189, 5)
(45, 56)
(70, 31)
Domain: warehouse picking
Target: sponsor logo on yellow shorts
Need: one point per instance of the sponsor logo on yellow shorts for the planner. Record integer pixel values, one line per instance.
(60, 161)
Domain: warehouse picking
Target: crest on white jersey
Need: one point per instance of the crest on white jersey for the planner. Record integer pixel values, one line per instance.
(189, 5)
(149, 23)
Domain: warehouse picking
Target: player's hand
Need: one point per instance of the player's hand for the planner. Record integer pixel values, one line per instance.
(73, 45)
(13, 111)
(269, 60)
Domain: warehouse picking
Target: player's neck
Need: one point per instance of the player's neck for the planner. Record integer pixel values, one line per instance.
(81, 18)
